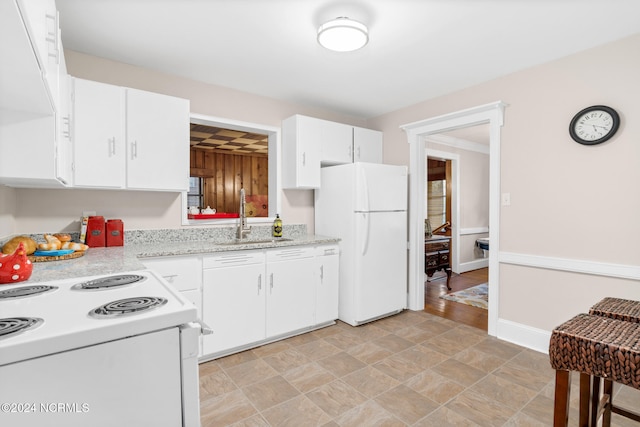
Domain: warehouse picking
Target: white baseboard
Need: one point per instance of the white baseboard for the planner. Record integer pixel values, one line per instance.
(523, 335)
(473, 265)
(474, 230)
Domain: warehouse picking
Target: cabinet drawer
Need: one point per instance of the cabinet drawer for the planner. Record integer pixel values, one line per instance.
(233, 258)
(444, 257)
(327, 250)
(431, 259)
(436, 246)
(184, 273)
(296, 252)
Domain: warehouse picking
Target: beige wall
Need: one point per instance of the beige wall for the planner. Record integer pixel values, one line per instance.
(569, 202)
(7, 209)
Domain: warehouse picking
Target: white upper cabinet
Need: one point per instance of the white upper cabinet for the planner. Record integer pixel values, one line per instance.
(41, 17)
(301, 140)
(158, 141)
(128, 138)
(367, 145)
(22, 87)
(343, 144)
(98, 135)
(309, 143)
(337, 143)
(64, 145)
(32, 68)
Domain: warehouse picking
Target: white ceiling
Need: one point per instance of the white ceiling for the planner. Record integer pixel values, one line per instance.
(418, 49)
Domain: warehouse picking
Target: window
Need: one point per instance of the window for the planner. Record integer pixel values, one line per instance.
(215, 180)
(437, 202)
(195, 197)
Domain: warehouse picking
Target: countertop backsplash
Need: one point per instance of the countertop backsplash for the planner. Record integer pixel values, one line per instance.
(133, 237)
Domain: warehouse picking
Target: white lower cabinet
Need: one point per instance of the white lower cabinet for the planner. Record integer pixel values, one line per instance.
(184, 273)
(233, 299)
(327, 284)
(291, 290)
(257, 296)
(250, 297)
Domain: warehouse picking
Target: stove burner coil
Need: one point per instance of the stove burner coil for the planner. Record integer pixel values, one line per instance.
(109, 282)
(15, 325)
(127, 307)
(26, 291)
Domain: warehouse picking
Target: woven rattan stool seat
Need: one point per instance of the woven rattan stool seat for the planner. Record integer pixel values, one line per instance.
(617, 308)
(600, 346)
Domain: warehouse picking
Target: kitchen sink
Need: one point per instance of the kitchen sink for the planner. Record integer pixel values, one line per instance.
(255, 242)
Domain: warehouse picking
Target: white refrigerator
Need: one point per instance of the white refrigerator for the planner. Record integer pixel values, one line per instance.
(365, 205)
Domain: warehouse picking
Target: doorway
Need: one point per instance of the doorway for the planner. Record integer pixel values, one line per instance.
(417, 132)
(458, 161)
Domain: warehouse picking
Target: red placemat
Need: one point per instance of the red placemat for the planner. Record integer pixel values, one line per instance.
(216, 215)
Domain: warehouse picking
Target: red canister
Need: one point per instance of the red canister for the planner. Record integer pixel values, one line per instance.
(96, 232)
(115, 232)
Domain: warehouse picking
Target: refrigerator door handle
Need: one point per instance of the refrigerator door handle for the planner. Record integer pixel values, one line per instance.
(365, 241)
(367, 209)
(365, 189)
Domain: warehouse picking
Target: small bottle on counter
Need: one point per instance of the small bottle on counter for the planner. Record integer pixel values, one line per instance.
(277, 226)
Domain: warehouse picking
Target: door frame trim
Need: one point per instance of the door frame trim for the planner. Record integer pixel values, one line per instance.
(416, 132)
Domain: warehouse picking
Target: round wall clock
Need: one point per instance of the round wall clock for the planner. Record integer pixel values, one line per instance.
(594, 125)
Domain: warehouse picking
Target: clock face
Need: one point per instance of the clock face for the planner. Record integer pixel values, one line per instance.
(594, 125)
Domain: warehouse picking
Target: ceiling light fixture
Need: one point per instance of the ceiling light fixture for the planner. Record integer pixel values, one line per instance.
(343, 35)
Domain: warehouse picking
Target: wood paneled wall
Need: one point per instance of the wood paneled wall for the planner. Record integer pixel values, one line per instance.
(224, 174)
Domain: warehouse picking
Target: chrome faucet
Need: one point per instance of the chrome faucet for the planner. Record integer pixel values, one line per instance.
(243, 228)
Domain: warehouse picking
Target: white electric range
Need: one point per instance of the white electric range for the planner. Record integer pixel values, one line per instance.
(97, 349)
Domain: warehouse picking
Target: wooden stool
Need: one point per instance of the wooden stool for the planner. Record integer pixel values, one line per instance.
(594, 346)
(628, 311)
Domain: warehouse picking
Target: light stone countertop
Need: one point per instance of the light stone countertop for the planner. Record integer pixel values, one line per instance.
(114, 260)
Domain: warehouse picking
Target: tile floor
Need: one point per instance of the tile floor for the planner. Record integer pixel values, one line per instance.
(412, 369)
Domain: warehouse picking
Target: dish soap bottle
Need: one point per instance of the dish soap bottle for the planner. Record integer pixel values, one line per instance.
(277, 226)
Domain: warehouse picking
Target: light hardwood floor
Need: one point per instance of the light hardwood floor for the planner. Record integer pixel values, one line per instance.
(458, 312)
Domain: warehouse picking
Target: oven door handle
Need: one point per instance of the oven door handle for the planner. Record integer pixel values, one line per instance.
(204, 328)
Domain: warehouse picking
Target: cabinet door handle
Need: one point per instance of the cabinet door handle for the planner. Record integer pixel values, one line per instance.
(271, 282)
(170, 278)
(134, 150)
(66, 122)
(304, 159)
(358, 153)
(52, 37)
(112, 146)
(259, 283)
(321, 273)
